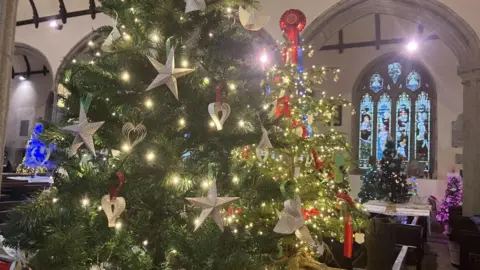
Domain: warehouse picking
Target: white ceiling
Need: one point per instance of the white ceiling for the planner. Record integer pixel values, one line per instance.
(49, 7)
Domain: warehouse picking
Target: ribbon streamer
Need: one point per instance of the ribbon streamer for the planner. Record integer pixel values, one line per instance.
(114, 190)
(85, 101)
(292, 22)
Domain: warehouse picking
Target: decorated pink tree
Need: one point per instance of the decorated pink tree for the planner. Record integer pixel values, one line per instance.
(453, 196)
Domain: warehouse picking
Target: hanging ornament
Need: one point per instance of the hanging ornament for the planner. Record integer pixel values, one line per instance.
(291, 221)
(250, 20)
(317, 160)
(308, 214)
(107, 45)
(263, 149)
(168, 74)
(292, 22)
(300, 129)
(84, 131)
(112, 205)
(134, 134)
(211, 206)
(283, 107)
(193, 5)
(245, 151)
(348, 229)
(216, 107)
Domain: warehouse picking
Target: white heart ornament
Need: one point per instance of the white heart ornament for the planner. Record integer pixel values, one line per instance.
(263, 146)
(216, 107)
(139, 130)
(118, 204)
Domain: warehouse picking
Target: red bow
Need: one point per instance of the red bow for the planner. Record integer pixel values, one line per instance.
(283, 107)
(114, 190)
(318, 162)
(231, 210)
(348, 229)
(307, 214)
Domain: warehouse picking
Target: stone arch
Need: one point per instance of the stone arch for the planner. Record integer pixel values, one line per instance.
(451, 28)
(457, 34)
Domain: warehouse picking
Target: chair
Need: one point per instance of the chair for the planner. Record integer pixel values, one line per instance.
(469, 244)
(411, 236)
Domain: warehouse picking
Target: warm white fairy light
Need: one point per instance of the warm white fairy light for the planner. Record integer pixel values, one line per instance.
(127, 37)
(148, 103)
(232, 86)
(155, 38)
(126, 147)
(145, 243)
(206, 80)
(229, 10)
(118, 225)
(176, 180)
(97, 54)
(210, 34)
(196, 221)
(205, 184)
(74, 61)
(91, 44)
(150, 156)
(235, 179)
(54, 200)
(211, 124)
(184, 63)
(182, 122)
(125, 76)
(91, 62)
(99, 208)
(265, 107)
(241, 123)
(85, 202)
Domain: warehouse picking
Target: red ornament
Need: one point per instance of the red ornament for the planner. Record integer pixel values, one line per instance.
(276, 80)
(292, 22)
(307, 214)
(283, 107)
(245, 151)
(231, 210)
(316, 159)
(114, 190)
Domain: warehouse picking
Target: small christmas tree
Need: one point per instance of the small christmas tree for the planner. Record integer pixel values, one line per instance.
(36, 154)
(453, 196)
(368, 191)
(392, 179)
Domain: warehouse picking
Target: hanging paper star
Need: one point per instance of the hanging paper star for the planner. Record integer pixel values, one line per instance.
(291, 221)
(84, 131)
(168, 74)
(193, 5)
(211, 206)
(250, 20)
(114, 35)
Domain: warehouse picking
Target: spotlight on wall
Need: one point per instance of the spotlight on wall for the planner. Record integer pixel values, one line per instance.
(21, 78)
(412, 46)
(55, 25)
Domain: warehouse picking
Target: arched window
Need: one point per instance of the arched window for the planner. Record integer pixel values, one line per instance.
(393, 98)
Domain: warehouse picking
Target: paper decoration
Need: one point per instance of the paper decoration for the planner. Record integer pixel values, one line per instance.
(250, 20)
(193, 5)
(137, 133)
(118, 204)
(359, 238)
(107, 45)
(291, 221)
(84, 131)
(168, 74)
(264, 146)
(214, 108)
(211, 206)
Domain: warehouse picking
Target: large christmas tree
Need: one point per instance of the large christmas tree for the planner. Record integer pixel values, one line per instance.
(453, 196)
(188, 150)
(392, 182)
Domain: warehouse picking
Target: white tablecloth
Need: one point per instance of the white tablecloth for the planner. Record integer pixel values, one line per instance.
(407, 209)
(38, 179)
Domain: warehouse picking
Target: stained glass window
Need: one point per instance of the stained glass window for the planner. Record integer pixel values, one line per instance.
(413, 80)
(394, 101)
(384, 124)
(376, 82)
(366, 131)
(394, 71)
(422, 128)
(403, 125)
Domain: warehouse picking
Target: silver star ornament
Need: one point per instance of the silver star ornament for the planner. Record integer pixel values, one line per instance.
(84, 131)
(168, 74)
(193, 5)
(211, 206)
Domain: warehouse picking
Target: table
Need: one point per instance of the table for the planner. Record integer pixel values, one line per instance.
(29, 179)
(407, 209)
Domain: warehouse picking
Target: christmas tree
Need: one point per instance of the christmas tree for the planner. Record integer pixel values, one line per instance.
(37, 154)
(177, 162)
(368, 191)
(392, 178)
(453, 196)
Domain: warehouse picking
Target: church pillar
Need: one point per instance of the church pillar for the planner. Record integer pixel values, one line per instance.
(470, 75)
(8, 14)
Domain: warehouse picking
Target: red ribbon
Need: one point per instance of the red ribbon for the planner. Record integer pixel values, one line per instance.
(283, 107)
(245, 152)
(348, 229)
(114, 190)
(318, 162)
(232, 211)
(292, 22)
(308, 214)
(219, 94)
(304, 129)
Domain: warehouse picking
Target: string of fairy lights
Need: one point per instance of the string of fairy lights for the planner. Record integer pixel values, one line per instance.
(280, 165)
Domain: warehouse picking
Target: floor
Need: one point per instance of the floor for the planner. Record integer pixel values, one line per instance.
(437, 255)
